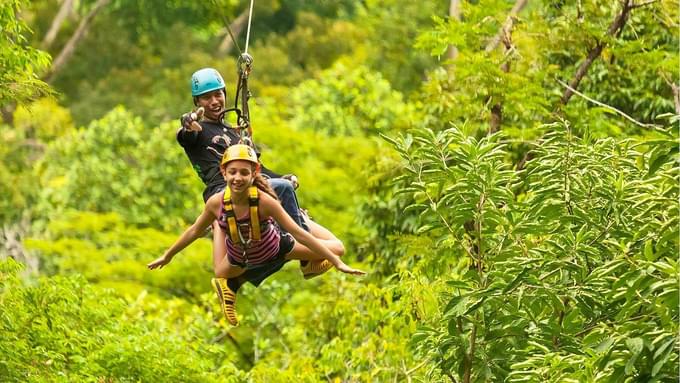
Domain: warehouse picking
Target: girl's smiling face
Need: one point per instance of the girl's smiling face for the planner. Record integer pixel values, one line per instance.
(239, 175)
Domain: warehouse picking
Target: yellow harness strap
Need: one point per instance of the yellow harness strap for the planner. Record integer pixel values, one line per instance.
(253, 202)
(231, 218)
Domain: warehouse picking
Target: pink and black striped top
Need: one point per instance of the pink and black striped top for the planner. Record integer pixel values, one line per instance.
(257, 252)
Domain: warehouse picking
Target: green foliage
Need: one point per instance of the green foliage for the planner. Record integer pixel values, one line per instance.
(119, 165)
(20, 64)
(557, 242)
(636, 67)
(573, 272)
(15, 188)
(43, 120)
(106, 251)
(391, 28)
(518, 81)
(287, 60)
(465, 91)
(315, 321)
(349, 101)
(23, 144)
(62, 329)
(150, 78)
(346, 331)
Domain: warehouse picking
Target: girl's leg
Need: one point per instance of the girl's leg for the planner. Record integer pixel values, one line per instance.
(225, 269)
(221, 265)
(225, 288)
(219, 246)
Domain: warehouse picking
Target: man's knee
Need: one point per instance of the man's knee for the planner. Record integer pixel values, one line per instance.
(281, 186)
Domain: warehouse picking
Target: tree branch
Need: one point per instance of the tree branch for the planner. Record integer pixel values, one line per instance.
(643, 4)
(507, 26)
(70, 46)
(676, 92)
(629, 118)
(470, 357)
(504, 35)
(414, 369)
(616, 25)
(64, 10)
(236, 27)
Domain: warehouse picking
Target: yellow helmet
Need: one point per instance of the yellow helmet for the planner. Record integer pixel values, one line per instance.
(239, 152)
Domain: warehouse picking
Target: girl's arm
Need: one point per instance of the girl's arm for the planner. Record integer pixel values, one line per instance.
(192, 233)
(271, 207)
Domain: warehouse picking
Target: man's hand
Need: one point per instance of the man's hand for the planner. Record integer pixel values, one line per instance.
(190, 120)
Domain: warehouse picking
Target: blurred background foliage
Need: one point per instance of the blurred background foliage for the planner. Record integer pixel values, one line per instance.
(495, 208)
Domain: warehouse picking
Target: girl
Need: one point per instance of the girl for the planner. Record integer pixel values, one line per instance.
(240, 169)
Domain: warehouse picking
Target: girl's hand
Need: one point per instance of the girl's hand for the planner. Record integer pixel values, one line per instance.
(159, 262)
(346, 269)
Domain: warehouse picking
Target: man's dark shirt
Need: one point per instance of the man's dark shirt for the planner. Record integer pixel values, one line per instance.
(205, 150)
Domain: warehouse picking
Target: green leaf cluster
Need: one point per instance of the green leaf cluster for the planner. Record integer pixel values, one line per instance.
(20, 63)
(570, 263)
(63, 329)
(118, 164)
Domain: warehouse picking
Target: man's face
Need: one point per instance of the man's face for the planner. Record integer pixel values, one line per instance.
(213, 103)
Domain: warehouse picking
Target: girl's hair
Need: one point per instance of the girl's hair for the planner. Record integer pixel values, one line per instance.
(263, 185)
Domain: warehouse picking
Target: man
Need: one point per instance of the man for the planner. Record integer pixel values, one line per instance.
(205, 141)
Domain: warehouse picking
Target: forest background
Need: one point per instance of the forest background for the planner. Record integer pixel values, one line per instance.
(507, 171)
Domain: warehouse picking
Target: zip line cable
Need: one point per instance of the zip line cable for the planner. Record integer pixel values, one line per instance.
(250, 17)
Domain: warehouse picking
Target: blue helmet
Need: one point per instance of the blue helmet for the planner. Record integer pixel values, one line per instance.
(205, 80)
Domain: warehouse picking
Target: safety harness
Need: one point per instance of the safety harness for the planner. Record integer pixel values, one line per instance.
(234, 230)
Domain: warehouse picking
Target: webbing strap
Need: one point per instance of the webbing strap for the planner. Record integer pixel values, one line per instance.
(231, 218)
(253, 201)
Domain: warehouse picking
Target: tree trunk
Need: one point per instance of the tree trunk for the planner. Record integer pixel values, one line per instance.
(64, 10)
(615, 27)
(72, 43)
(236, 27)
(676, 98)
(454, 14)
(7, 112)
(11, 246)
